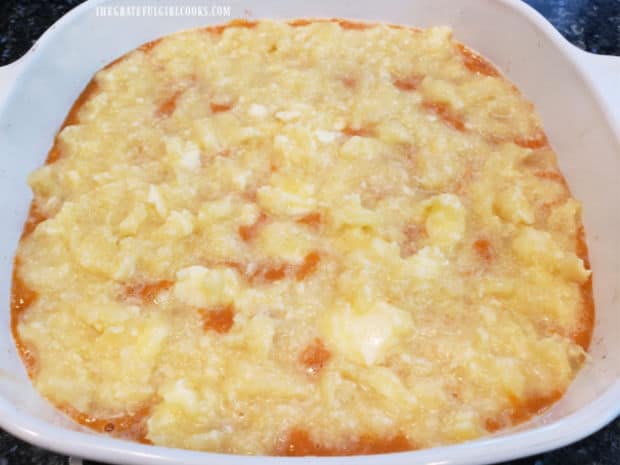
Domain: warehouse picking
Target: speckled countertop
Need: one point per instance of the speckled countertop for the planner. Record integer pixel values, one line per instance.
(593, 25)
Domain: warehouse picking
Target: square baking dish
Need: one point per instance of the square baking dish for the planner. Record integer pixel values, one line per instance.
(576, 93)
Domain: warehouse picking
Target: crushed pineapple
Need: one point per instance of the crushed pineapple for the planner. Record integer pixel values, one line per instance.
(303, 238)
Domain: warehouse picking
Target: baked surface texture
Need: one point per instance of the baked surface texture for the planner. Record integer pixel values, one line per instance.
(304, 238)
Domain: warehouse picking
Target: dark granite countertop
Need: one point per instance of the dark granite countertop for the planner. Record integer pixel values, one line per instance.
(593, 25)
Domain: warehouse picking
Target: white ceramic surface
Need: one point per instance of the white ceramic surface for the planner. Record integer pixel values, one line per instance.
(576, 93)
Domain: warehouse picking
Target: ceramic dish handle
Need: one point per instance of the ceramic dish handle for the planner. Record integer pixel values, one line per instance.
(604, 73)
(8, 76)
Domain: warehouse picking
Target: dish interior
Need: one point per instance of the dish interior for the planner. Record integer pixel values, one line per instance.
(358, 224)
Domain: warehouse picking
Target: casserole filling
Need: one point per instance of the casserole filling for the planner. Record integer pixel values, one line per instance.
(304, 238)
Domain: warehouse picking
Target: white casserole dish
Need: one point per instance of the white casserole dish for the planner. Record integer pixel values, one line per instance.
(575, 92)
